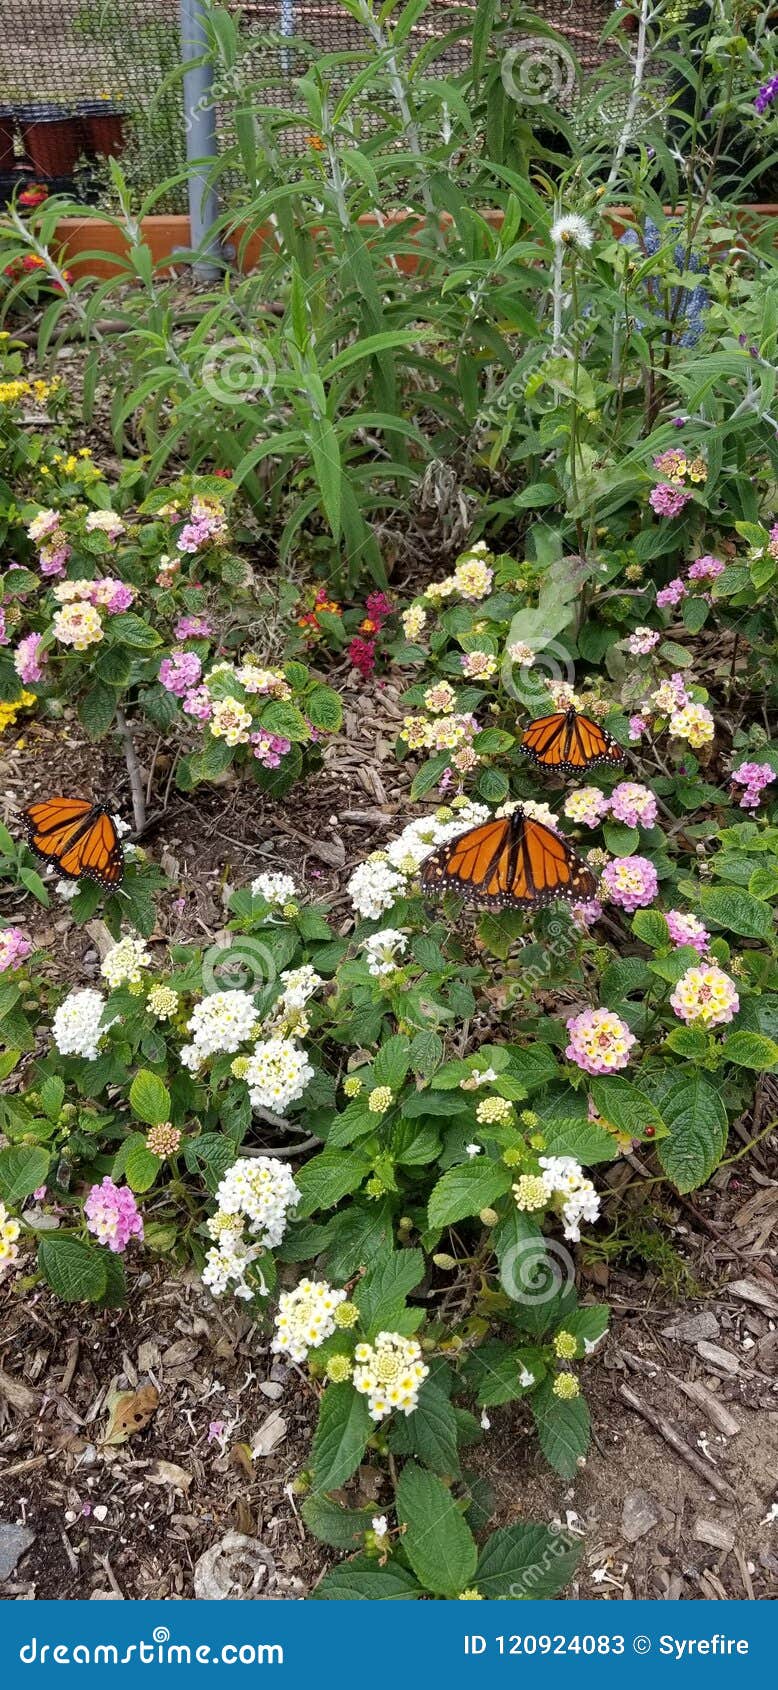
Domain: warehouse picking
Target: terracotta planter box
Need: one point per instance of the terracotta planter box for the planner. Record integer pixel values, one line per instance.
(89, 244)
(52, 137)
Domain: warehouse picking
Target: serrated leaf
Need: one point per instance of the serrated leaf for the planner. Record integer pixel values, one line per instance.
(697, 1121)
(526, 1561)
(363, 1580)
(76, 1272)
(438, 1541)
(392, 1062)
(737, 911)
(342, 1528)
(149, 1098)
(380, 1295)
(23, 1167)
(341, 1436)
(563, 1428)
(751, 1050)
(324, 710)
(626, 1107)
(328, 1177)
(430, 1432)
(466, 1190)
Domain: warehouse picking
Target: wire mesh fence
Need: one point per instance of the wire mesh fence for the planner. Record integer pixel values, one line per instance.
(81, 79)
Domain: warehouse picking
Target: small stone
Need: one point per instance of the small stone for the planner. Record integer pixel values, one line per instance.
(716, 1357)
(692, 1328)
(717, 1535)
(106, 1596)
(14, 1543)
(271, 1389)
(100, 1512)
(640, 1514)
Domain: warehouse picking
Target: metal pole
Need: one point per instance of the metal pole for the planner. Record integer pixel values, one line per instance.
(201, 142)
(287, 28)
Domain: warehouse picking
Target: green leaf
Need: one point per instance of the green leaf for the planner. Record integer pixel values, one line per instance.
(23, 1167)
(52, 1091)
(738, 911)
(651, 928)
(282, 718)
(438, 1541)
(133, 631)
(392, 1062)
(380, 1295)
(430, 1433)
(324, 709)
(466, 1190)
(626, 1107)
(563, 1429)
(697, 1120)
(751, 1050)
(77, 1272)
(688, 1041)
(114, 666)
(149, 1098)
(96, 710)
(342, 1528)
(141, 1167)
(522, 1562)
(341, 1436)
(328, 1177)
(426, 1054)
(362, 1580)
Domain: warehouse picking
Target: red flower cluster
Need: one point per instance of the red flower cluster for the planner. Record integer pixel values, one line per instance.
(362, 651)
(31, 263)
(309, 621)
(33, 195)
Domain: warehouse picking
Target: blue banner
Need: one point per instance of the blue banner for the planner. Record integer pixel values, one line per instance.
(355, 1643)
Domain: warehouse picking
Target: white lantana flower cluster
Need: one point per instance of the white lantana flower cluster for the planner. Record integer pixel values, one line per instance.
(218, 1025)
(382, 951)
(306, 1316)
(299, 985)
(564, 1179)
(277, 1074)
(276, 889)
(261, 1190)
(228, 1260)
(77, 1027)
(383, 877)
(389, 1373)
(124, 963)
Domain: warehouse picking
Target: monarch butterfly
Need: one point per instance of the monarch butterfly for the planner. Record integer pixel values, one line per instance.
(569, 743)
(77, 837)
(511, 864)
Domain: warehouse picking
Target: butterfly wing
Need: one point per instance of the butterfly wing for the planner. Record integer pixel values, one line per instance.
(515, 863)
(568, 743)
(77, 837)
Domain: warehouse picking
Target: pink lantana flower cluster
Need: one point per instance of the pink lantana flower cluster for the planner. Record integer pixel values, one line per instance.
(46, 532)
(112, 1215)
(705, 997)
(205, 524)
(362, 649)
(685, 929)
(15, 948)
(630, 882)
(630, 803)
(702, 572)
(753, 777)
(600, 1042)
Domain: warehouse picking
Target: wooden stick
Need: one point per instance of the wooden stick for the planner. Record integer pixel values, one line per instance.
(672, 1436)
(133, 770)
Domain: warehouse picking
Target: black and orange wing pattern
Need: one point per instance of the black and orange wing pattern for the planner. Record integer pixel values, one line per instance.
(511, 864)
(569, 744)
(77, 837)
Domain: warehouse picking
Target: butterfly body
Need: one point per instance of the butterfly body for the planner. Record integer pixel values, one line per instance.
(513, 862)
(567, 743)
(77, 837)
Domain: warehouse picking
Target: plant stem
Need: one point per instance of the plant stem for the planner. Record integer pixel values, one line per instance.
(133, 771)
